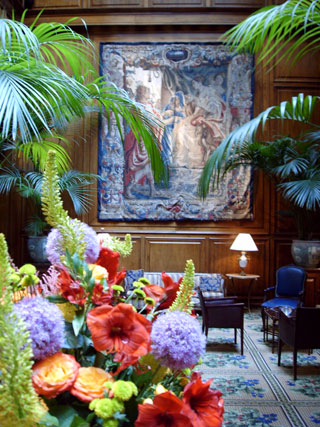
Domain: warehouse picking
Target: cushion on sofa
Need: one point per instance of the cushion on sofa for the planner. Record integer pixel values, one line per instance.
(132, 276)
(211, 286)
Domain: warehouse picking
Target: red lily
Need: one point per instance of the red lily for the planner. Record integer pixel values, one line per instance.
(170, 288)
(202, 405)
(109, 259)
(165, 411)
(70, 289)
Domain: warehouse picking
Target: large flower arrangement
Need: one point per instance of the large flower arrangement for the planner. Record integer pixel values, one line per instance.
(87, 353)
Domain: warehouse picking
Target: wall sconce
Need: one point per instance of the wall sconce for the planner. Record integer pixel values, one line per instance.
(244, 243)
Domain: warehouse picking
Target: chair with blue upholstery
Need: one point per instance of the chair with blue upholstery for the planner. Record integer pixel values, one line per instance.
(288, 291)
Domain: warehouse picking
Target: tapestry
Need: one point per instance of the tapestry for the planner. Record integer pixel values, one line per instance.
(201, 92)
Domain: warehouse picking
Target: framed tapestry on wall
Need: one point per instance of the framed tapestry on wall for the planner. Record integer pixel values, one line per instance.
(201, 92)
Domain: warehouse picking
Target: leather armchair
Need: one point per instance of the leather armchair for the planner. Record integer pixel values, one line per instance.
(299, 332)
(222, 313)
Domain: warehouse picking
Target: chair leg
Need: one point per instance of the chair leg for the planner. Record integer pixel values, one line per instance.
(279, 350)
(273, 328)
(241, 331)
(235, 335)
(207, 331)
(263, 323)
(294, 364)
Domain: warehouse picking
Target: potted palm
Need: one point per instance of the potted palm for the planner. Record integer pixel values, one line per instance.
(47, 80)
(275, 33)
(28, 185)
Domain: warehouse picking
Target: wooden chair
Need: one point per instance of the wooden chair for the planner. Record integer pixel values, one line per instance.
(288, 291)
(299, 332)
(222, 313)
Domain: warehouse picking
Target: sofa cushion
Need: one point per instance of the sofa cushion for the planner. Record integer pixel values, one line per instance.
(211, 286)
(132, 276)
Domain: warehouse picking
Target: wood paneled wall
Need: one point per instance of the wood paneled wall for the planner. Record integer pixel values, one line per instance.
(167, 245)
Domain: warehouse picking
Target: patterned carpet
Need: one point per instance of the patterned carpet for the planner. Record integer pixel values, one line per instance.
(256, 391)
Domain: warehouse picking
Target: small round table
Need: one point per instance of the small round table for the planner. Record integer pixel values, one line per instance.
(251, 277)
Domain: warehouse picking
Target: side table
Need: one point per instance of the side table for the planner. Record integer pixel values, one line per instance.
(251, 277)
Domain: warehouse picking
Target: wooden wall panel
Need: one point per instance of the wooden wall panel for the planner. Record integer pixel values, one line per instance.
(58, 4)
(115, 3)
(171, 253)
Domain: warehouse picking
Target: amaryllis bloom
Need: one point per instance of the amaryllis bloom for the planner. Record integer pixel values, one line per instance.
(109, 259)
(202, 405)
(155, 292)
(45, 324)
(177, 340)
(165, 411)
(55, 248)
(55, 374)
(170, 289)
(89, 383)
(120, 330)
(70, 289)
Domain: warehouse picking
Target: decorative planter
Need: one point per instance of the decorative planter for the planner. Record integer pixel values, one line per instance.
(306, 253)
(37, 249)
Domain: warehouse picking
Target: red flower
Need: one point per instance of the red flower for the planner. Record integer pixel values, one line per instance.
(120, 330)
(164, 412)
(170, 288)
(70, 289)
(99, 296)
(203, 406)
(155, 292)
(109, 259)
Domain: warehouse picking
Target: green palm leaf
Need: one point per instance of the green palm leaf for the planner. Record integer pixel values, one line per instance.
(287, 31)
(304, 193)
(300, 109)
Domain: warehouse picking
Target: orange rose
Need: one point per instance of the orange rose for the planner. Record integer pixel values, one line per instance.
(98, 272)
(55, 374)
(89, 383)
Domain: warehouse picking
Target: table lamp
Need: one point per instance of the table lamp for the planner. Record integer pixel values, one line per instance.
(244, 243)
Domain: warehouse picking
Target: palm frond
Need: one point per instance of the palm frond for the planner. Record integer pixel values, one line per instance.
(145, 125)
(300, 109)
(289, 31)
(304, 193)
(9, 179)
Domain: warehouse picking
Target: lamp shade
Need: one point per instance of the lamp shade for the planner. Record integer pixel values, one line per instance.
(244, 242)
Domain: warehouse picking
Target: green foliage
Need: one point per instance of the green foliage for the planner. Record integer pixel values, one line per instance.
(19, 403)
(114, 243)
(40, 98)
(52, 207)
(293, 162)
(183, 300)
(274, 33)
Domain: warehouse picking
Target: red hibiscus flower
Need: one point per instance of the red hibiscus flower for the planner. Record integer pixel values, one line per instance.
(109, 259)
(164, 412)
(120, 330)
(170, 288)
(203, 406)
(70, 289)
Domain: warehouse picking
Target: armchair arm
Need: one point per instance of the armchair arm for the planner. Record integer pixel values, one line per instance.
(268, 291)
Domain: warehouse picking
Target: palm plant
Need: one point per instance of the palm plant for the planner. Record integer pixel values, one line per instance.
(287, 32)
(39, 97)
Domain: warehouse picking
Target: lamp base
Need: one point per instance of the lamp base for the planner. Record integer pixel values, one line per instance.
(243, 273)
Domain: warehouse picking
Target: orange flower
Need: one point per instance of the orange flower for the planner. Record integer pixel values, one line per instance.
(109, 259)
(98, 272)
(155, 292)
(89, 383)
(120, 330)
(203, 406)
(165, 411)
(55, 374)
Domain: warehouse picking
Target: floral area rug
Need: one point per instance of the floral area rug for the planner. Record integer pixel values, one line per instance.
(256, 391)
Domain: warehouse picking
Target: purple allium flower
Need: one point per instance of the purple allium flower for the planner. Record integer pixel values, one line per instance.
(55, 250)
(177, 340)
(45, 323)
